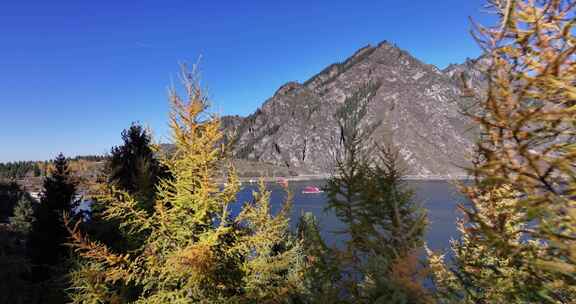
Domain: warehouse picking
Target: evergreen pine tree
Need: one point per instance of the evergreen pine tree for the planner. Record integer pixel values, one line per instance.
(23, 218)
(14, 264)
(134, 167)
(48, 234)
(322, 273)
(10, 194)
(383, 222)
(14, 268)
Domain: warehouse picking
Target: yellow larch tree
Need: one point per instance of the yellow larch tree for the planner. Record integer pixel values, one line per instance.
(192, 249)
(527, 145)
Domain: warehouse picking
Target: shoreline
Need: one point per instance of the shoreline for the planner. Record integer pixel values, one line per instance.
(311, 177)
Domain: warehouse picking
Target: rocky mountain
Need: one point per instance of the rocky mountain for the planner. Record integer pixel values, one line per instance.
(231, 122)
(416, 104)
(471, 73)
(471, 77)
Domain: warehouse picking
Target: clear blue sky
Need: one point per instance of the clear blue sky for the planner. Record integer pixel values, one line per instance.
(74, 73)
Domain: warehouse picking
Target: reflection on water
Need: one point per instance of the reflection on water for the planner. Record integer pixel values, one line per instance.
(439, 197)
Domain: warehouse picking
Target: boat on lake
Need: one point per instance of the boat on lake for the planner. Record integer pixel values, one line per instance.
(311, 190)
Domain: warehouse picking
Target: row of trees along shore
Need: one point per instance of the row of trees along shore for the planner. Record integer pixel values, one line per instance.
(161, 229)
(24, 169)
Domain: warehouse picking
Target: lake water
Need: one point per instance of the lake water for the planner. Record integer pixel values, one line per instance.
(439, 197)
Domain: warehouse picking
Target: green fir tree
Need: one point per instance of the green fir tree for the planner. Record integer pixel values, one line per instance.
(23, 218)
(47, 246)
(383, 222)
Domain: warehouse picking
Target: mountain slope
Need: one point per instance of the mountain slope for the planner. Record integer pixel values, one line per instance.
(417, 105)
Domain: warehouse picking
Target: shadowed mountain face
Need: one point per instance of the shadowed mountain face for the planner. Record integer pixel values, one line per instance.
(417, 106)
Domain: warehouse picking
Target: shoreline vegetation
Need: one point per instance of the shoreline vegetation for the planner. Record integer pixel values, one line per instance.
(87, 171)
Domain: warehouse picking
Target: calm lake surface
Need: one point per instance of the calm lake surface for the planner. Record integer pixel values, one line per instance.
(439, 197)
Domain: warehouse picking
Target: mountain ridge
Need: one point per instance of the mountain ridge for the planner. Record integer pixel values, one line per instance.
(417, 103)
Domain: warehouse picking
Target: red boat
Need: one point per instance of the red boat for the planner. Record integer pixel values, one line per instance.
(311, 190)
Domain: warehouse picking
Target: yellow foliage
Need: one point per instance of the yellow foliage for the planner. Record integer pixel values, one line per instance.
(192, 250)
(528, 121)
(482, 272)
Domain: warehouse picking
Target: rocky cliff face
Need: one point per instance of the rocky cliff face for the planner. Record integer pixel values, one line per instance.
(417, 105)
(471, 77)
(471, 73)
